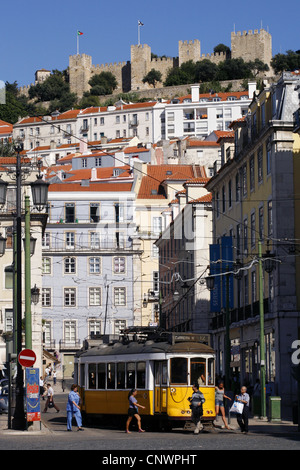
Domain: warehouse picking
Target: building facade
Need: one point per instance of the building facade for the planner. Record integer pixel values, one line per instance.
(254, 196)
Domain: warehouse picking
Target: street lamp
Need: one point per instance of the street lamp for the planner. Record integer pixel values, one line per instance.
(210, 282)
(32, 244)
(35, 295)
(39, 195)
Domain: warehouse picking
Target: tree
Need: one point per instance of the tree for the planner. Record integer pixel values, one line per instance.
(54, 87)
(152, 77)
(103, 83)
(205, 71)
(258, 66)
(222, 48)
(286, 62)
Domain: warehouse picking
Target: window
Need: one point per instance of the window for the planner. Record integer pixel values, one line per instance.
(119, 296)
(120, 325)
(260, 165)
(84, 162)
(198, 371)
(70, 332)
(119, 213)
(121, 375)
(178, 370)
(70, 212)
(101, 376)
(117, 119)
(270, 219)
(94, 212)
(46, 297)
(46, 266)
(47, 336)
(94, 327)
(102, 121)
(92, 376)
(244, 182)
(252, 228)
(119, 265)
(141, 375)
(229, 193)
(252, 173)
(156, 225)
(261, 222)
(237, 187)
(95, 240)
(268, 156)
(94, 265)
(9, 277)
(223, 199)
(218, 204)
(70, 239)
(94, 296)
(245, 235)
(70, 265)
(85, 125)
(70, 297)
(111, 371)
(246, 290)
(98, 161)
(238, 238)
(46, 240)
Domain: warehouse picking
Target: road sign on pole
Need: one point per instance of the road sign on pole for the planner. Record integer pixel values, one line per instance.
(27, 358)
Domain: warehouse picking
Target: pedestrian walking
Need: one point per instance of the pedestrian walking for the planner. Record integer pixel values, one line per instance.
(219, 400)
(42, 388)
(243, 418)
(196, 405)
(73, 409)
(133, 410)
(54, 377)
(50, 401)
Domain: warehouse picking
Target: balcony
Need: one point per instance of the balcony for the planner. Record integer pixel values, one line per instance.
(133, 123)
(240, 314)
(69, 345)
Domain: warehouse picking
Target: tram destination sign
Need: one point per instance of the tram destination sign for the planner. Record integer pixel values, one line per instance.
(186, 337)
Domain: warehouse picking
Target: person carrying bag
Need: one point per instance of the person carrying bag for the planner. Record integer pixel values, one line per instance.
(242, 403)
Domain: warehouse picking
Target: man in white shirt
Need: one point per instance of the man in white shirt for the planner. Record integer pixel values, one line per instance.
(243, 418)
(50, 402)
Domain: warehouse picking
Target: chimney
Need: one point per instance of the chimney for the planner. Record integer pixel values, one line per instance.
(251, 89)
(83, 146)
(195, 93)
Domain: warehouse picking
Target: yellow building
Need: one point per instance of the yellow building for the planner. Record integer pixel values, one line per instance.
(155, 186)
(254, 198)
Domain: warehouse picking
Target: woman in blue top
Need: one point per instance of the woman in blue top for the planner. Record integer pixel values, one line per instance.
(73, 409)
(133, 410)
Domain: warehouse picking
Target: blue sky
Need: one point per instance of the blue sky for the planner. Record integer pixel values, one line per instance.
(37, 34)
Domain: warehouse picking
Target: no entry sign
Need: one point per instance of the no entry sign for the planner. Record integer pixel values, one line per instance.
(27, 358)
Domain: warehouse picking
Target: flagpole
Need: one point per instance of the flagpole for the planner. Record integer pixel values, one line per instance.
(77, 43)
(139, 33)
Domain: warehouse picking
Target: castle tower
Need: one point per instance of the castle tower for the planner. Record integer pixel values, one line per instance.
(189, 50)
(79, 73)
(140, 65)
(252, 45)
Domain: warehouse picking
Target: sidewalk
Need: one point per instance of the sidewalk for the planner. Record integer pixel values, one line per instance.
(256, 426)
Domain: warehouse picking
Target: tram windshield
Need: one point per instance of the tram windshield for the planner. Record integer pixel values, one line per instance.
(201, 371)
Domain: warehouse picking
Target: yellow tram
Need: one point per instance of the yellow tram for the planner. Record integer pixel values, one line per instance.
(162, 369)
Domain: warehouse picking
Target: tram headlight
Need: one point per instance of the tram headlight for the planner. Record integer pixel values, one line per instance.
(173, 390)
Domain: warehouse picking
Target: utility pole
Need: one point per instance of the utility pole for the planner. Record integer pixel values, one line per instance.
(262, 334)
(28, 325)
(227, 336)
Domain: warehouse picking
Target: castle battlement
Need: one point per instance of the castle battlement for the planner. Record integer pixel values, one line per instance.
(250, 32)
(162, 59)
(189, 42)
(107, 65)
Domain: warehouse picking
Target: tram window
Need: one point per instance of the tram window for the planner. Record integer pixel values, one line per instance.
(101, 376)
(121, 375)
(198, 371)
(164, 373)
(111, 375)
(130, 375)
(178, 370)
(82, 384)
(141, 375)
(92, 376)
(211, 371)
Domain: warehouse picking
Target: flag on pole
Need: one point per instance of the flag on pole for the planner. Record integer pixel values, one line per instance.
(140, 23)
(79, 33)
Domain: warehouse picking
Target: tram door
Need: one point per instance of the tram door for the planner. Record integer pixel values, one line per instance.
(160, 388)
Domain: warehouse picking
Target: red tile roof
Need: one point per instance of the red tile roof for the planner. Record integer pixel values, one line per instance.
(151, 185)
(205, 199)
(5, 127)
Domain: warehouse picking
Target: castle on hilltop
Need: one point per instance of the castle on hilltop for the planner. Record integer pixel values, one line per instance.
(249, 45)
